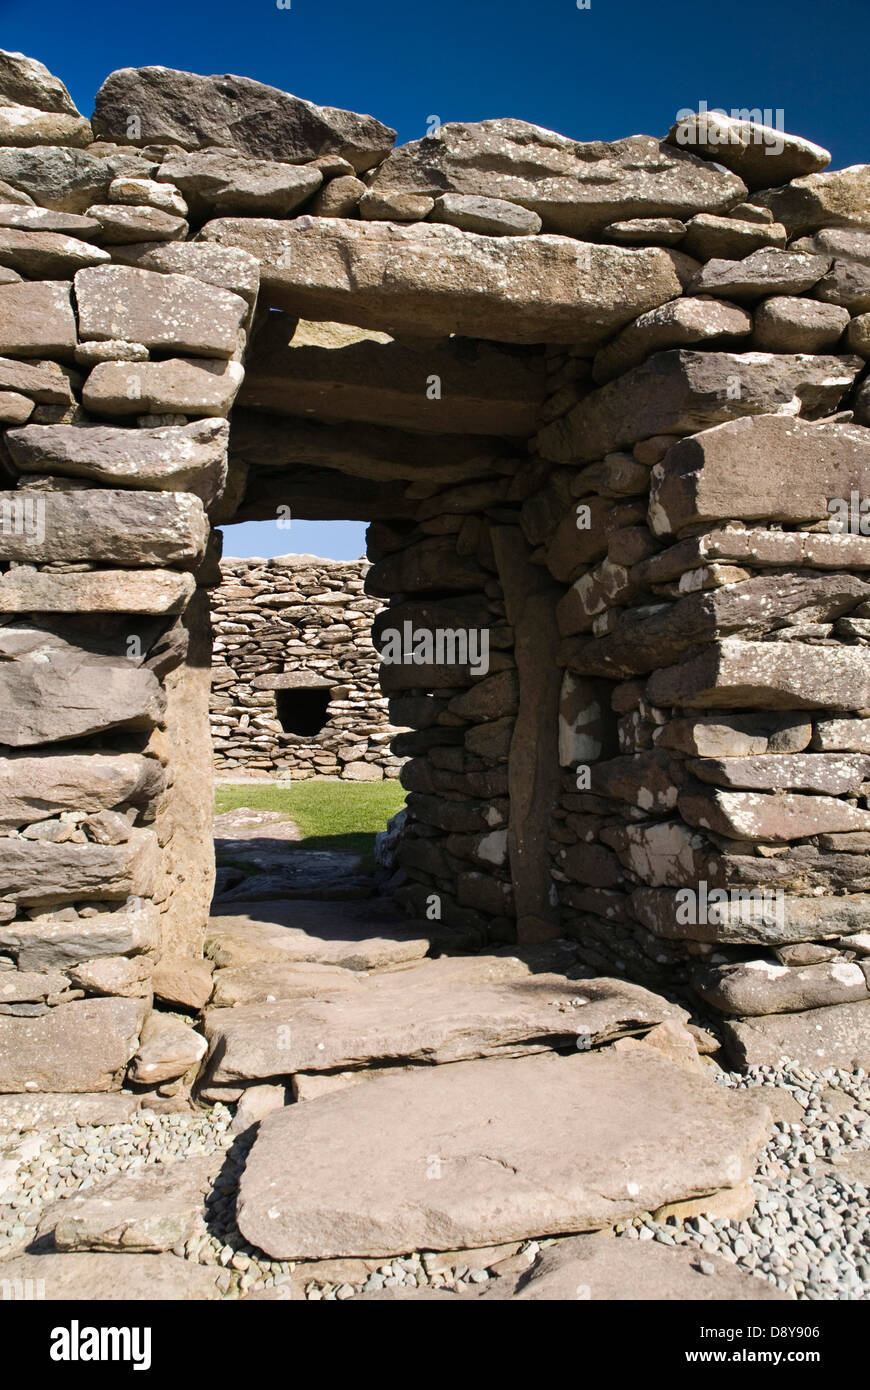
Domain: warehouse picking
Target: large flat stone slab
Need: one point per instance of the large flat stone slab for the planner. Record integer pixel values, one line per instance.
(482, 1153)
(93, 1277)
(353, 935)
(335, 373)
(83, 1046)
(51, 941)
(431, 279)
(43, 1111)
(838, 1036)
(145, 1210)
(36, 786)
(105, 525)
(448, 1010)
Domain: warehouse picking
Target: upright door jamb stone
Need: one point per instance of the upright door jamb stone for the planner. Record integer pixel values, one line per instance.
(533, 765)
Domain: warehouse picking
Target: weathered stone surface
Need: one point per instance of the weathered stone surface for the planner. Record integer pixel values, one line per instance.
(710, 237)
(757, 987)
(355, 936)
(575, 187)
(436, 279)
(174, 313)
(847, 283)
(302, 370)
(150, 1209)
(377, 206)
(36, 319)
(763, 468)
(28, 82)
(500, 1134)
(785, 324)
(26, 126)
(120, 223)
(83, 1046)
(839, 199)
(819, 1038)
(13, 197)
(30, 986)
(681, 321)
(761, 273)
(27, 590)
(680, 392)
(747, 916)
(168, 458)
(766, 675)
(15, 409)
(38, 872)
(744, 815)
(844, 243)
(114, 975)
(646, 231)
(590, 1267)
(265, 984)
(186, 109)
(490, 216)
(755, 547)
(27, 1112)
(180, 385)
(218, 184)
(223, 266)
(44, 382)
(51, 689)
(168, 1048)
(34, 787)
(105, 525)
(47, 255)
(94, 1277)
(65, 179)
(338, 198)
(842, 734)
(33, 219)
(148, 193)
(836, 774)
(762, 155)
(448, 1010)
(182, 981)
(54, 941)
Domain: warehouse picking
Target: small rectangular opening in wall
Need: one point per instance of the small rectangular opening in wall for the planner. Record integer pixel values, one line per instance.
(302, 711)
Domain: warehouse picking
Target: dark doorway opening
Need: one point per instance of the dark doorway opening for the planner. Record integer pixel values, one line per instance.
(302, 711)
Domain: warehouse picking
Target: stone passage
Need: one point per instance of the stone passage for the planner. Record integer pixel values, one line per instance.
(606, 409)
(295, 677)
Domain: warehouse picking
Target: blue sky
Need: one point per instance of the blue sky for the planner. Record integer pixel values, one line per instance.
(617, 68)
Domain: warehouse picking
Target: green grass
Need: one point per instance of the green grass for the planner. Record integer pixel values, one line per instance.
(336, 815)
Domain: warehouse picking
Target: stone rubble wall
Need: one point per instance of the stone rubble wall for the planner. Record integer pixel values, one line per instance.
(671, 335)
(297, 616)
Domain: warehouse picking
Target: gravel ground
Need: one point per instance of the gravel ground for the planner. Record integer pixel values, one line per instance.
(809, 1233)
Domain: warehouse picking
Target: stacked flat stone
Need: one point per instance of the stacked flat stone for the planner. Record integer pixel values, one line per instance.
(282, 623)
(595, 398)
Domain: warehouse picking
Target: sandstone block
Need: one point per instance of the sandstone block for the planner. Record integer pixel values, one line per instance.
(174, 313)
(36, 319)
(83, 1046)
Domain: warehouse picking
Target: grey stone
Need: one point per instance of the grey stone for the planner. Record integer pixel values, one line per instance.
(64, 179)
(681, 392)
(178, 385)
(786, 324)
(36, 319)
(173, 458)
(760, 987)
(771, 819)
(33, 219)
(760, 274)
(460, 1155)
(27, 1112)
(120, 223)
(819, 1038)
(47, 255)
(746, 916)
(833, 773)
(575, 187)
(186, 109)
(108, 526)
(83, 1046)
(838, 199)
(53, 689)
(220, 183)
(490, 216)
(671, 325)
(39, 873)
(357, 937)
(34, 787)
(847, 283)
(174, 313)
(49, 941)
(765, 675)
(762, 155)
(28, 82)
(442, 280)
(27, 590)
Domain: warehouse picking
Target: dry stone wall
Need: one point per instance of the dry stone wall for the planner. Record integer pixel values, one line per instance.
(606, 408)
(295, 689)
